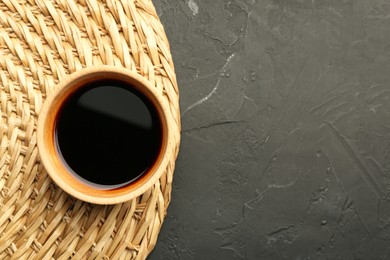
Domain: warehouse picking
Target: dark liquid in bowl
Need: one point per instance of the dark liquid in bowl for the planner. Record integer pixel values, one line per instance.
(108, 134)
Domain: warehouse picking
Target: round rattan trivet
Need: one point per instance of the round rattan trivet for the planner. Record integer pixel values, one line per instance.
(41, 42)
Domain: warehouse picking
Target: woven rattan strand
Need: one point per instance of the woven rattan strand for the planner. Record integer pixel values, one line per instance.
(41, 42)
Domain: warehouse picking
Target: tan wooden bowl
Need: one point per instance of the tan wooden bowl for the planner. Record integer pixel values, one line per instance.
(47, 145)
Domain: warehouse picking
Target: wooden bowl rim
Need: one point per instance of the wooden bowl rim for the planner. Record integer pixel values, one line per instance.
(53, 164)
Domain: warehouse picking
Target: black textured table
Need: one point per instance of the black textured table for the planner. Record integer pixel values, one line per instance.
(286, 130)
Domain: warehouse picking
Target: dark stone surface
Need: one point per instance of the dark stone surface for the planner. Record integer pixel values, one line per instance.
(285, 143)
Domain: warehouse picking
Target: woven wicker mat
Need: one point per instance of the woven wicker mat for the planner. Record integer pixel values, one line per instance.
(41, 42)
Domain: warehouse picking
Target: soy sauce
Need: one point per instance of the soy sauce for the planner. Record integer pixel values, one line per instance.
(108, 134)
